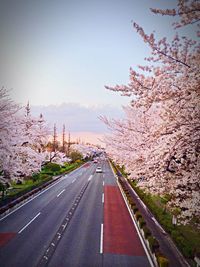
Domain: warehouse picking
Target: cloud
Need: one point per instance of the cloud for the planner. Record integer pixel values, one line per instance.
(76, 117)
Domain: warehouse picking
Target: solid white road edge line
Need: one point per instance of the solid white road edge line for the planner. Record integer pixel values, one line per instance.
(101, 240)
(60, 192)
(60, 180)
(29, 223)
(136, 227)
(112, 169)
(30, 200)
(103, 198)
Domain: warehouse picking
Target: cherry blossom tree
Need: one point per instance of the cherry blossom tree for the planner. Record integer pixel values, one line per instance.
(86, 150)
(8, 123)
(56, 157)
(159, 140)
(187, 11)
(22, 139)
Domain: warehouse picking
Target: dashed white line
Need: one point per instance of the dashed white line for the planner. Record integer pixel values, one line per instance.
(37, 195)
(101, 239)
(73, 180)
(90, 177)
(60, 192)
(29, 223)
(103, 183)
(103, 198)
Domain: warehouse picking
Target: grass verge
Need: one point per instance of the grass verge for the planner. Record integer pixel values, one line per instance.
(29, 183)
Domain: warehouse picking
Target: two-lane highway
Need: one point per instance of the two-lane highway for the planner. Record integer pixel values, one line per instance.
(81, 220)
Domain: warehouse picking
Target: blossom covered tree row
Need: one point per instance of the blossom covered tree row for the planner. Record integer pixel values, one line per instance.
(22, 139)
(158, 142)
(24, 142)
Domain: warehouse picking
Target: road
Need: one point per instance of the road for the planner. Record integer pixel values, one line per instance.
(81, 220)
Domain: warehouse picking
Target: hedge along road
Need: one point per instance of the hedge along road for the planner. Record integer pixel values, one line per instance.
(90, 236)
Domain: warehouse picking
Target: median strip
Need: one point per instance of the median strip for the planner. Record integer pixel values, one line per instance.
(28, 223)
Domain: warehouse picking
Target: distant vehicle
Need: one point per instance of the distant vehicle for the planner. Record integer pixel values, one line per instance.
(98, 170)
(95, 161)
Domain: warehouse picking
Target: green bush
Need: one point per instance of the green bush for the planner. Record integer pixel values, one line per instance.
(147, 232)
(153, 243)
(44, 176)
(133, 205)
(53, 167)
(75, 155)
(78, 161)
(162, 261)
(49, 172)
(35, 177)
(142, 222)
(130, 200)
(138, 215)
(135, 209)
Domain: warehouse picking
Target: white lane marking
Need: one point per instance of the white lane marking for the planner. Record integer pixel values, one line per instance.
(101, 240)
(60, 192)
(60, 180)
(103, 183)
(90, 177)
(29, 223)
(103, 198)
(73, 180)
(30, 200)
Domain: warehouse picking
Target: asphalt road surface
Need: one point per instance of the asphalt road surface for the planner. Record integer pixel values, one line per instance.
(81, 220)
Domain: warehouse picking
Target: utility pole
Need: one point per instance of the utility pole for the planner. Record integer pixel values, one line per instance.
(68, 144)
(28, 109)
(63, 139)
(54, 138)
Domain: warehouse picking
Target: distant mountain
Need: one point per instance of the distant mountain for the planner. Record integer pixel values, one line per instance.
(78, 119)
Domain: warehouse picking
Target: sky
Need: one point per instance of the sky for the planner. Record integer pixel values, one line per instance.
(65, 51)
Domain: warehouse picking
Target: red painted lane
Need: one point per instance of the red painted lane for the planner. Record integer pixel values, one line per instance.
(120, 235)
(86, 165)
(5, 238)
